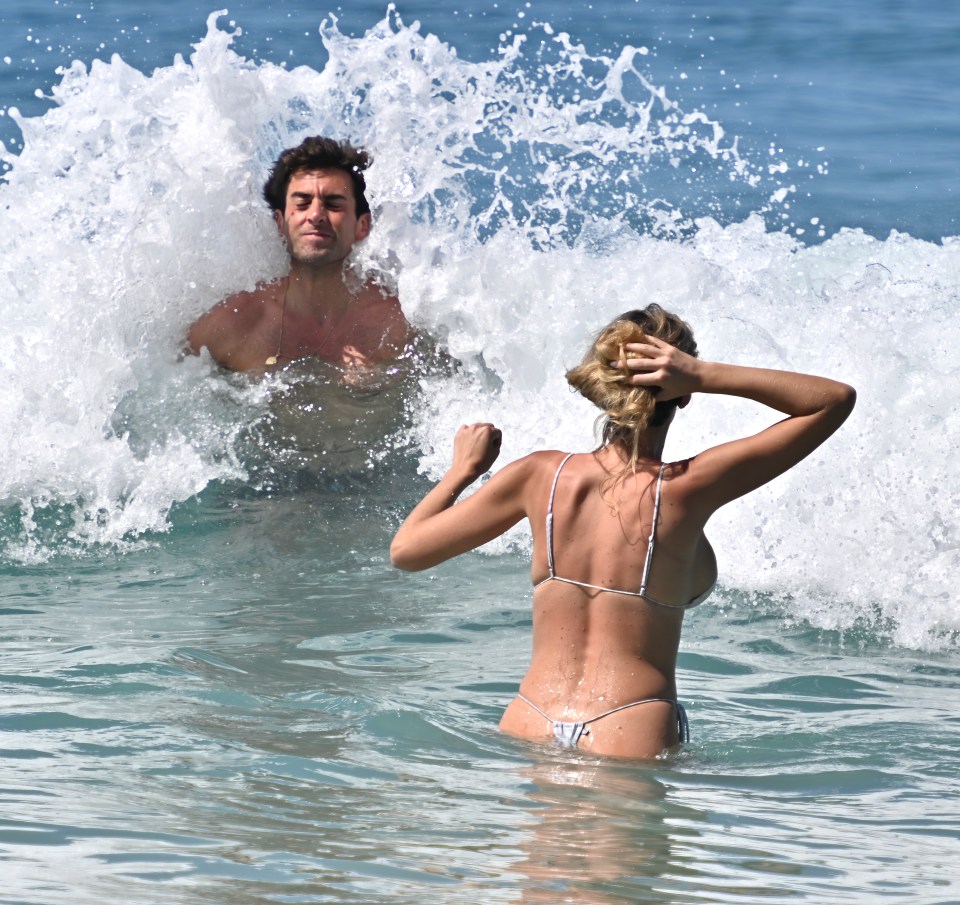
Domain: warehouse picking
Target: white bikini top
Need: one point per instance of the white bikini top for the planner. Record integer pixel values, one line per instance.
(646, 566)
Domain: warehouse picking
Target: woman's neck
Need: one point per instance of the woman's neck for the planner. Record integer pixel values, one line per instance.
(649, 445)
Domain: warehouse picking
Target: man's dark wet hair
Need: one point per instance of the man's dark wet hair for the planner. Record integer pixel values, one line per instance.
(318, 153)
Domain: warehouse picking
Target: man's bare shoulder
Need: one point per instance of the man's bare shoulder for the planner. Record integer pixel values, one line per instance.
(379, 313)
(231, 322)
(243, 309)
(374, 296)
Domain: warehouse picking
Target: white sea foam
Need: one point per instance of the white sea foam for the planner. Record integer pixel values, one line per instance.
(520, 203)
(864, 532)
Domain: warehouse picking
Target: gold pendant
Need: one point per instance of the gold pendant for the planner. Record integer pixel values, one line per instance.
(272, 360)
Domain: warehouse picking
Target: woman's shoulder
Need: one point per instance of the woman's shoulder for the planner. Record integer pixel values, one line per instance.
(548, 456)
(677, 470)
(534, 467)
(550, 461)
(685, 476)
(689, 486)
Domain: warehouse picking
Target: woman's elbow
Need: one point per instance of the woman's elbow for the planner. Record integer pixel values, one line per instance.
(837, 406)
(402, 557)
(846, 398)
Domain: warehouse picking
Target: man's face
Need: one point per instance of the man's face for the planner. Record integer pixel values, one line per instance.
(320, 223)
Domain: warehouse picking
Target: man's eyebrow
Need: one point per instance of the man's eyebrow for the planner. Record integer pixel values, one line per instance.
(327, 196)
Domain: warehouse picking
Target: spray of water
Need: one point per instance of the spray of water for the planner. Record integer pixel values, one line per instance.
(520, 203)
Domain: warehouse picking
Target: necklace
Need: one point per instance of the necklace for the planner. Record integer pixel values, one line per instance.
(334, 322)
(272, 360)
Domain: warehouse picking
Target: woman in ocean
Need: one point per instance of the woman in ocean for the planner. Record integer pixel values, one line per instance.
(619, 550)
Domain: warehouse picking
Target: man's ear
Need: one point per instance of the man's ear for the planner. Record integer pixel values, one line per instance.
(278, 219)
(363, 227)
(684, 401)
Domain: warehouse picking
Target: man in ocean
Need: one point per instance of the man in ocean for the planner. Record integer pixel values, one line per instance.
(317, 194)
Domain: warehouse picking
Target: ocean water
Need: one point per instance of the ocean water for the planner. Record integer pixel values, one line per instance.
(216, 689)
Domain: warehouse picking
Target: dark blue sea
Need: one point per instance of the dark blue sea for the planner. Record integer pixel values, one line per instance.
(213, 686)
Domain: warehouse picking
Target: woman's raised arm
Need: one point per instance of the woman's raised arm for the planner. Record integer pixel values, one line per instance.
(436, 530)
(815, 408)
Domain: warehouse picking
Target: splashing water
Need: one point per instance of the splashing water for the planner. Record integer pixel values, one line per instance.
(520, 203)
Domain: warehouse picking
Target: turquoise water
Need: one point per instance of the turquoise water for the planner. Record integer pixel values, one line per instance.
(276, 723)
(215, 687)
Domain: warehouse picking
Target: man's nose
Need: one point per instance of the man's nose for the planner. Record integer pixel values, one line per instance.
(317, 212)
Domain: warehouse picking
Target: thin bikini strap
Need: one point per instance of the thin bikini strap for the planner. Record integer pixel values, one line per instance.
(553, 492)
(653, 533)
(530, 703)
(600, 716)
(683, 724)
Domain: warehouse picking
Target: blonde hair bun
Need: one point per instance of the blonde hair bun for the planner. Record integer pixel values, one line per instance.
(628, 410)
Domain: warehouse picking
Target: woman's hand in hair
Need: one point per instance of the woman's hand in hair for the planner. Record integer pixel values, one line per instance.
(475, 449)
(663, 368)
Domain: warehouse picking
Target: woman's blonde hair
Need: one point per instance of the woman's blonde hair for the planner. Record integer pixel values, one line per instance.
(627, 409)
